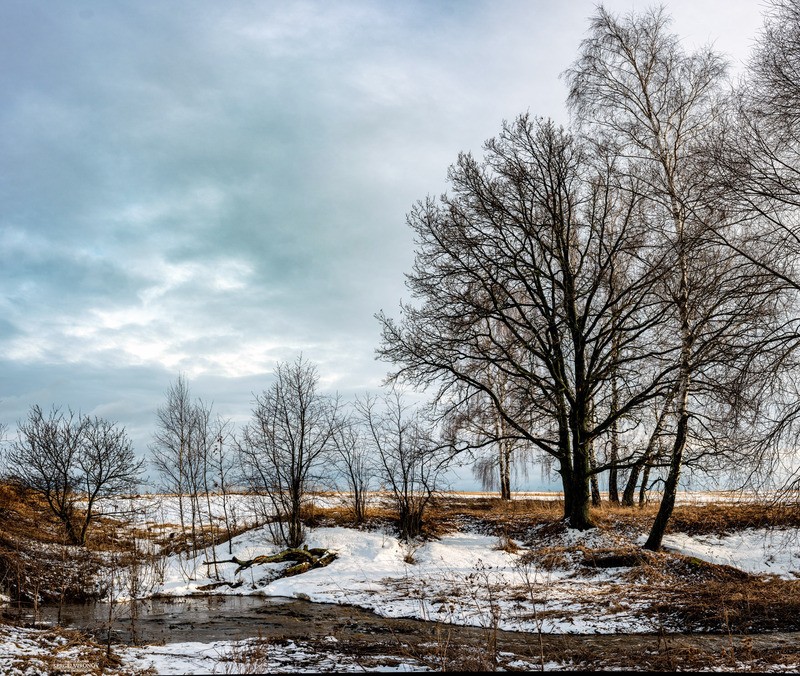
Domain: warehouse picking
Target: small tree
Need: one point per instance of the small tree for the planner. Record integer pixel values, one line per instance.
(71, 461)
(408, 459)
(222, 463)
(355, 465)
(283, 447)
(171, 447)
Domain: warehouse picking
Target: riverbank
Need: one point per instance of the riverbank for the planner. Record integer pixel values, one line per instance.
(494, 585)
(226, 635)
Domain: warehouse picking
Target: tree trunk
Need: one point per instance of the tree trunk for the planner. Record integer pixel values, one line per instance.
(596, 498)
(565, 470)
(613, 470)
(685, 376)
(613, 476)
(72, 534)
(643, 464)
(67, 517)
(595, 484)
(579, 509)
(633, 480)
(667, 505)
(643, 486)
(505, 470)
(578, 516)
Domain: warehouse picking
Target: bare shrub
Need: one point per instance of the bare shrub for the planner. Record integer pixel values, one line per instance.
(284, 446)
(71, 461)
(410, 462)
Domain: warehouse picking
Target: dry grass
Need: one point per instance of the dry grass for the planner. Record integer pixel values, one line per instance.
(664, 653)
(24, 514)
(488, 515)
(34, 553)
(250, 656)
(725, 518)
(701, 519)
(729, 601)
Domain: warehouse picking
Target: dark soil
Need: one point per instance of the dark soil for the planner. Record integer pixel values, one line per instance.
(440, 646)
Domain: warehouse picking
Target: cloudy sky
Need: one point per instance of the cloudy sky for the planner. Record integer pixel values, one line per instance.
(210, 187)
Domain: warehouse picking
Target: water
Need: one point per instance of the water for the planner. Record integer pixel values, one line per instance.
(208, 619)
(171, 620)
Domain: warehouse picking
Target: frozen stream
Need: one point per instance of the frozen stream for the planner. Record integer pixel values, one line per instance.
(359, 632)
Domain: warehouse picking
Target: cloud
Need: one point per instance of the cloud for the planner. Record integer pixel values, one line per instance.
(212, 187)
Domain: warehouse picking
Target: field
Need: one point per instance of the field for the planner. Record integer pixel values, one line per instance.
(498, 586)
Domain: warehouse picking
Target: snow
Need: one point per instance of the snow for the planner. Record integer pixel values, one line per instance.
(225, 657)
(461, 578)
(757, 551)
(36, 652)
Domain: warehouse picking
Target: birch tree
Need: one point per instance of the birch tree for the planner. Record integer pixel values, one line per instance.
(635, 89)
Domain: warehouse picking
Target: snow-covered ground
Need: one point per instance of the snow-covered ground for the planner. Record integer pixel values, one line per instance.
(758, 551)
(36, 652)
(460, 578)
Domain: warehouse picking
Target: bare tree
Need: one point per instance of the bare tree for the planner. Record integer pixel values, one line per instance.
(355, 465)
(171, 447)
(499, 453)
(208, 475)
(106, 465)
(188, 454)
(410, 462)
(759, 151)
(635, 90)
(757, 158)
(72, 461)
(284, 446)
(222, 463)
(512, 275)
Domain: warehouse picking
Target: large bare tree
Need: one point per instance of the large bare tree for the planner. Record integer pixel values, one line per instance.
(511, 277)
(636, 91)
(758, 161)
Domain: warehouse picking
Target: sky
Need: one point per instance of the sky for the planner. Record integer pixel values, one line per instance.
(210, 188)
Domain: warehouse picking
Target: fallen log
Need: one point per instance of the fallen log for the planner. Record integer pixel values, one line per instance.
(216, 585)
(305, 559)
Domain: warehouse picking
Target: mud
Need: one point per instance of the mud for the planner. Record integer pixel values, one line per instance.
(360, 632)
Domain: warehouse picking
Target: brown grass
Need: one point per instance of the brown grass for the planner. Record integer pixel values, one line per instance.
(34, 554)
(720, 518)
(24, 514)
(730, 601)
(537, 518)
(701, 519)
